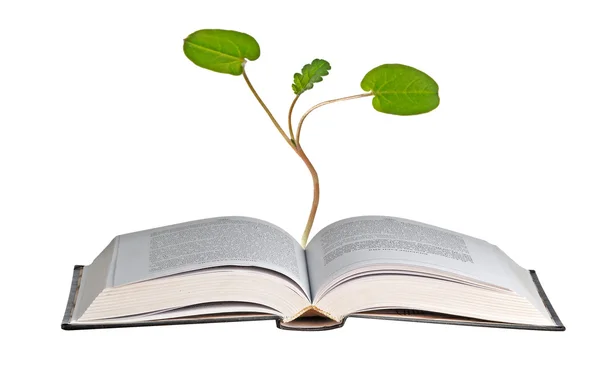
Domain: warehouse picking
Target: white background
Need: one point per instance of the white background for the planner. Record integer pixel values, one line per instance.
(106, 128)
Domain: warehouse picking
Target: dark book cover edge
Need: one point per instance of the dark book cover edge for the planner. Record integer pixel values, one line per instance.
(559, 325)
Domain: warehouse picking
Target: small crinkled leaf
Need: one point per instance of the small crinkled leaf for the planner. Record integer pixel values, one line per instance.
(401, 90)
(311, 73)
(223, 51)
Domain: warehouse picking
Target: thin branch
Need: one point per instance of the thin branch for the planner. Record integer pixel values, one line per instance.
(323, 104)
(311, 168)
(281, 131)
(290, 117)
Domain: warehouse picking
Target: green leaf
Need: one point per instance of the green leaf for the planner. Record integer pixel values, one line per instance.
(223, 51)
(311, 73)
(401, 90)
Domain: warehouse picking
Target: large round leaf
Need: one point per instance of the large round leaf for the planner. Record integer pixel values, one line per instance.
(223, 51)
(401, 90)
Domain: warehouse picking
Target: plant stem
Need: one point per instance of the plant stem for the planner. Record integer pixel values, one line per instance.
(315, 203)
(295, 144)
(281, 131)
(323, 104)
(290, 118)
(311, 168)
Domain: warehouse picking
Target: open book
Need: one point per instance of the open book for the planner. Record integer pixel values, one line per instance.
(239, 268)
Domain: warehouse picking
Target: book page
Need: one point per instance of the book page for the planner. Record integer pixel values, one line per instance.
(379, 241)
(222, 241)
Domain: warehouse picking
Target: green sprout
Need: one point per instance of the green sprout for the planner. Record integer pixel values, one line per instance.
(396, 89)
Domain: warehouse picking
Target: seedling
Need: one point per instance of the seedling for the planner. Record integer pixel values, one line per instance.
(396, 89)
